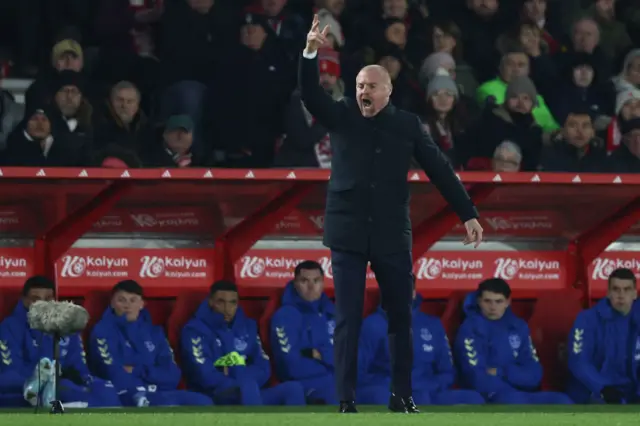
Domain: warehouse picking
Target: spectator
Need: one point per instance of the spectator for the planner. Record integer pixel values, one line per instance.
(66, 55)
(247, 101)
(329, 18)
(72, 111)
(306, 142)
(406, 91)
(223, 354)
(34, 143)
(446, 37)
(494, 350)
(512, 121)
(585, 38)
(125, 31)
(433, 370)
(581, 89)
(120, 121)
(614, 39)
(482, 22)
(514, 64)
(576, 148)
(289, 29)
(22, 349)
(302, 334)
(527, 37)
(627, 107)
(629, 78)
(175, 147)
(444, 121)
(130, 351)
(603, 343)
(192, 35)
(11, 114)
(507, 157)
(537, 11)
(626, 158)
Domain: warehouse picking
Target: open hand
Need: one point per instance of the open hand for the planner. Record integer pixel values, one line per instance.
(315, 37)
(474, 233)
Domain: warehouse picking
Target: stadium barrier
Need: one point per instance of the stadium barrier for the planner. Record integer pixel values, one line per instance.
(179, 230)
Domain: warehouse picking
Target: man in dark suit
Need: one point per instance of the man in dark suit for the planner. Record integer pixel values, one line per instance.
(367, 212)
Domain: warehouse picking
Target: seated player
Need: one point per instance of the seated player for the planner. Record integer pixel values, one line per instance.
(433, 371)
(494, 351)
(301, 334)
(22, 349)
(604, 346)
(127, 349)
(223, 357)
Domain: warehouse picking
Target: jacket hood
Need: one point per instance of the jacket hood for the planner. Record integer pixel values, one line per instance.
(470, 307)
(214, 320)
(121, 321)
(291, 297)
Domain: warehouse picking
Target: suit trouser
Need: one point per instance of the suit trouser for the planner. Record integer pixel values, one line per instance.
(395, 280)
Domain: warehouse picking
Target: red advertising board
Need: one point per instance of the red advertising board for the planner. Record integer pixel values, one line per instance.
(174, 268)
(150, 267)
(439, 269)
(16, 264)
(602, 266)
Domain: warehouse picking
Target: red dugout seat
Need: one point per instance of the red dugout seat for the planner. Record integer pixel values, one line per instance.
(550, 325)
(523, 308)
(95, 302)
(452, 315)
(264, 323)
(253, 308)
(9, 297)
(184, 308)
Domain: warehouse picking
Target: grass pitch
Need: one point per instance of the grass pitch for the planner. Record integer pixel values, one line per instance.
(326, 416)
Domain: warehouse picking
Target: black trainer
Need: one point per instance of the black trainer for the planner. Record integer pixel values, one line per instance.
(348, 407)
(402, 405)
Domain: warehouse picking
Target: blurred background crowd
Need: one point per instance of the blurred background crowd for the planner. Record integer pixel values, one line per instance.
(502, 85)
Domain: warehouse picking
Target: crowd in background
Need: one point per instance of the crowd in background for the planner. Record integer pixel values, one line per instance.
(550, 85)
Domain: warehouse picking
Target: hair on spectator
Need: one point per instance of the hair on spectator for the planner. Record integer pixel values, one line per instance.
(222, 285)
(622, 274)
(495, 285)
(38, 282)
(510, 147)
(123, 85)
(128, 286)
(451, 29)
(68, 33)
(307, 265)
(125, 155)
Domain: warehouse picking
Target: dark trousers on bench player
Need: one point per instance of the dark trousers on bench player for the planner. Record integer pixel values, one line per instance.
(394, 276)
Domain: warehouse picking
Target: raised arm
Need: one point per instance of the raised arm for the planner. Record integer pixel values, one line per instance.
(328, 112)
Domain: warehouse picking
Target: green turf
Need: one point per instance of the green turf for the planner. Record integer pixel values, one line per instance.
(326, 416)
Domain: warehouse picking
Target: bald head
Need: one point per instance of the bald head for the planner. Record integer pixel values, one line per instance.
(376, 72)
(373, 88)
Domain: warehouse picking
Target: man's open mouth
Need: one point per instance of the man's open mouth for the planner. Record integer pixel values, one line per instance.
(366, 103)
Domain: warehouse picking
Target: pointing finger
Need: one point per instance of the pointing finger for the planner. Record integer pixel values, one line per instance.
(325, 30)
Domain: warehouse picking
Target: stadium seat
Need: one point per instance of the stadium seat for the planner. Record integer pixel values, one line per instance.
(550, 325)
(95, 302)
(371, 301)
(160, 310)
(185, 306)
(523, 308)
(9, 297)
(253, 308)
(452, 316)
(265, 320)
(434, 307)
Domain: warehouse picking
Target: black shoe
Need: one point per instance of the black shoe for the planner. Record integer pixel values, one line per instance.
(402, 405)
(348, 407)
